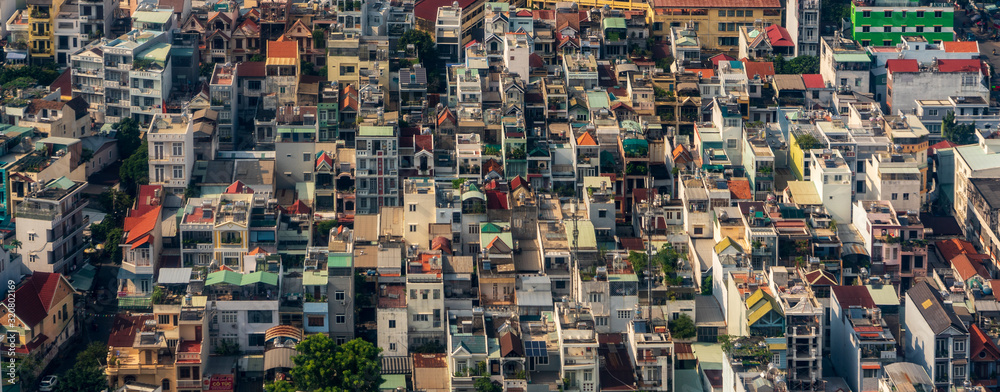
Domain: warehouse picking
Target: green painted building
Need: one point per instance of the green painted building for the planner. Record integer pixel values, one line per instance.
(883, 22)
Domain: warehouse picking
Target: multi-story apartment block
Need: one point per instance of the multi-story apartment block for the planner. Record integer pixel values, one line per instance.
(377, 168)
(138, 75)
(909, 80)
(577, 347)
(58, 119)
(935, 337)
(804, 321)
(833, 180)
(283, 66)
(171, 152)
(972, 162)
(894, 178)
(652, 349)
(863, 343)
(50, 225)
(16, 49)
(425, 304)
(41, 32)
(845, 64)
(802, 21)
(223, 92)
(448, 33)
(884, 22)
(392, 318)
(717, 25)
(894, 239)
(342, 313)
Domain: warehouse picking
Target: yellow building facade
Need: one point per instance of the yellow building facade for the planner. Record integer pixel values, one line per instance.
(41, 32)
(716, 22)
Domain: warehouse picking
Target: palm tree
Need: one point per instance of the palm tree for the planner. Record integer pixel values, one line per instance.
(14, 245)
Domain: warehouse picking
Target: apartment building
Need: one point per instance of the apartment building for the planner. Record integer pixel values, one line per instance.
(58, 119)
(171, 152)
(41, 33)
(894, 239)
(142, 244)
(884, 22)
(448, 34)
(392, 318)
(137, 75)
(341, 305)
(845, 64)
(864, 345)
(895, 178)
(717, 24)
(802, 21)
(223, 92)
(909, 80)
(972, 162)
(425, 305)
(50, 225)
(578, 347)
(377, 173)
(652, 351)
(935, 337)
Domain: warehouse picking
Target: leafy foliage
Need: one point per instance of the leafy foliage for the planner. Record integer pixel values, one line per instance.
(87, 374)
(833, 11)
(206, 69)
(682, 327)
(42, 74)
(323, 228)
(20, 83)
(957, 133)
(128, 136)
(135, 170)
(258, 58)
(324, 366)
(706, 285)
(115, 203)
(797, 65)
(158, 296)
(806, 142)
(319, 38)
(429, 348)
(427, 54)
(484, 384)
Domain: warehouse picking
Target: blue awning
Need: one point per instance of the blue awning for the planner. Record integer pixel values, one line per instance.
(16, 56)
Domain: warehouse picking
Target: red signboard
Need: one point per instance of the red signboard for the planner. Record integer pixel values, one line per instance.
(221, 382)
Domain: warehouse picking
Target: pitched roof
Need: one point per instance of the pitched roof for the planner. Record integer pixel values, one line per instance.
(441, 243)
(586, 139)
(849, 296)
(978, 342)
(820, 278)
(720, 57)
(813, 81)
(739, 189)
(726, 243)
(257, 69)
(758, 68)
(535, 61)
(961, 47)
(139, 227)
(517, 182)
(124, 327)
(496, 200)
(954, 247)
(902, 65)
(931, 306)
(445, 115)
(682, 155)
(299, 207)
(238, 187)
(967, 267)
(64, 82)
(511, 346)
(35, 297)
(282, 49)
(423, 143)
(349, 98)
(778, 36)
(959, 65)
(427, 9)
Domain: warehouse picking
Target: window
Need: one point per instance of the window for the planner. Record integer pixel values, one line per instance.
(392, 346)
(920, 14)
(32, 236)
(588, 375)
(413, 207)
(906, 196)
(938, 14)
(178, 172)
(722, 13)
(260, 316)
(473, 229)
(904, 13)
(838, 178)
(339, 295)
(437, 294)
(255, 340)
(932, 112)
(596, 297)
(749, 13)
(306, 157)
(392, 323)
(887, 29)
(413, 294)
(958, 372)
(228, 317)
(937, 29)
(739, 13)
(888, 14)
(601, 321)
(545, 360)
(893, 196)
(920, 29)
(178, 149)
(602, 213)
(866, 14)
(959, 346)
(420, 317)
(341, 340)
(776, 358)
(624, 314)
(731, 143)
(315, 321)
(413, 228)
(163, 319)
(698, 230)
(341, 318)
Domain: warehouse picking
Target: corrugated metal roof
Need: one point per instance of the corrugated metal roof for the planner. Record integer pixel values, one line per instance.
(174, 276)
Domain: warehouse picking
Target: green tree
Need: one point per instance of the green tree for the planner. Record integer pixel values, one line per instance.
(279, 386)
(682, 327)
(128, 135)
(95, 354)
(806, 142)
(957, 133)
(115, 203)
(206, 69)
(319, 38)
(484, 384)
(83, 378)
(323, 228)
(833, 11)
(257, 58)
(706, 285)
(158, 296)
(797, 65)
(43, 75)
(135, 170)
(324, 366)
(639, 262)
(27, 371)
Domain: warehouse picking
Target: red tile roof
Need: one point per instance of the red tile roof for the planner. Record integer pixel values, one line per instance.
(239, 187)
(349, 98)
(954, 247)
(778, 36)
(535, 61)
(963, 265)
(740, 190)
(299, 208)
(849, 296)
(282, 49)
(959, 65)
(138, 227)
(820, 278)
(253, 69)
(63, 82)
(496, 200)
(813, 81)
(978, 342)
(423, 143)
(430, 361)
(720, 57)
(444, 115)
(961, 47)
(705, 72)
(441, 243)
(941, 144)
(902, 65)
(586, 139)
(632, 243)
(758, 68)
(517, 182)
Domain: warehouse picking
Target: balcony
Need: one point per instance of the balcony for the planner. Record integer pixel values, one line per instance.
(192, 316)
(142, 268)
(111, 84)
(188, 384)
(145, 91)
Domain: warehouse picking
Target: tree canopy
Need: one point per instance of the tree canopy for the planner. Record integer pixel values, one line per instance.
(806, 142)
(797, 65)
(135, 170)
(87, 374)
(128, 135)
(324, 366)
(957, 133)
(682, 327)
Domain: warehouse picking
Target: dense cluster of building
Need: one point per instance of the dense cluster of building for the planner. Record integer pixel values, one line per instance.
(576, 196)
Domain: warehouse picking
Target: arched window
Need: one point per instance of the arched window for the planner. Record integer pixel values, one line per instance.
(165, 384)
